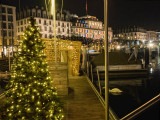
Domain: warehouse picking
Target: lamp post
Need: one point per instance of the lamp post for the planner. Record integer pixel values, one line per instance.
(150, 45)
(106, 59)
(9, 61)
(53, 12)
(158, 53)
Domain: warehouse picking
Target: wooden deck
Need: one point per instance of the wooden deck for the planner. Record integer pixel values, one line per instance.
(82, 103)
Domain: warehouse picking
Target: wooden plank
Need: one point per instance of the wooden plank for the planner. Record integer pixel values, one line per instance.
(82, 103)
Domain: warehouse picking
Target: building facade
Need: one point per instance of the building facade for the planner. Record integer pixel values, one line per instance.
(45, 22)
(7, 30)
(151, 35)
(135, 33)
(131, 33)
(158, 36)
(90, 27)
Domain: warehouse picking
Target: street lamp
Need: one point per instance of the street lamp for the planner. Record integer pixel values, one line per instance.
(118, 47)
(150, 45)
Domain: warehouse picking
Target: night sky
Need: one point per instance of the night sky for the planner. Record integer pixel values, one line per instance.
(122, 13)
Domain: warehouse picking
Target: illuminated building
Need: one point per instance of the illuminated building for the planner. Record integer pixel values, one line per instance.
(135, 33)
(7, 29)
(45, 22)
(90, 27)
(158, 36)
(152, 35)
(131, 33)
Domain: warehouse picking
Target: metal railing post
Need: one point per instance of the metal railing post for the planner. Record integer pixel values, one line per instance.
(99, 84)
(87, 68)
(91, 73)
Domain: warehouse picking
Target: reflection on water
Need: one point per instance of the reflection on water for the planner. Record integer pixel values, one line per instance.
(135, 93)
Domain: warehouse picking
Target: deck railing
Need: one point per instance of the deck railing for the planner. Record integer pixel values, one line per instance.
(142, 108)
(98, 92)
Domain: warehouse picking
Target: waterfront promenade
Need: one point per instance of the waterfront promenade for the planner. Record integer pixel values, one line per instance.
(82, 103)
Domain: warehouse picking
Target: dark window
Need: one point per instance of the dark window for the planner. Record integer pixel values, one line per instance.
(4, 17)
(10, 11)
(45, 35)
(49, 22)
(58, 23)
(18, 23)
(11, 42)
(28, 14)
(5, 42)
(10, 25)
(10, 33)
(10, 18)
(67, 24)
(24, 21)
(21, 29)
(58, 30)
(50, 36)
(45, 23)
(44, 15)
(4, 33)
(18, 30)
(4, 25)
(28, 20)
(63, 29)
(62, 24)
(34, 14)
(39, 21)
(38, 15)
(21, 22)
(3, 10)
(67, 31)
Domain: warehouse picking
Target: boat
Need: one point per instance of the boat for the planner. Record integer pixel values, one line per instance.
(119, 65)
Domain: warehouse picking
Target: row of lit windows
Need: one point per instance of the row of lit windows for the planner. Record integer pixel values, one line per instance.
(4, 42)
(89, 31)
(95, 24)
(122, 35)
(45, 23)
(21, 29)
(90, 23)
(39, 22)
(86, 25)
(91, 36)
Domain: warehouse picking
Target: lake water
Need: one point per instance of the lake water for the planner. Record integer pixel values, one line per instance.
(135, 92)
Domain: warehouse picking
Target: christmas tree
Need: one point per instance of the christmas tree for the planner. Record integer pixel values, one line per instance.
(31, 96)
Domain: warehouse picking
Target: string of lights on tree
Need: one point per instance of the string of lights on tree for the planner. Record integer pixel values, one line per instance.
(31, 95)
